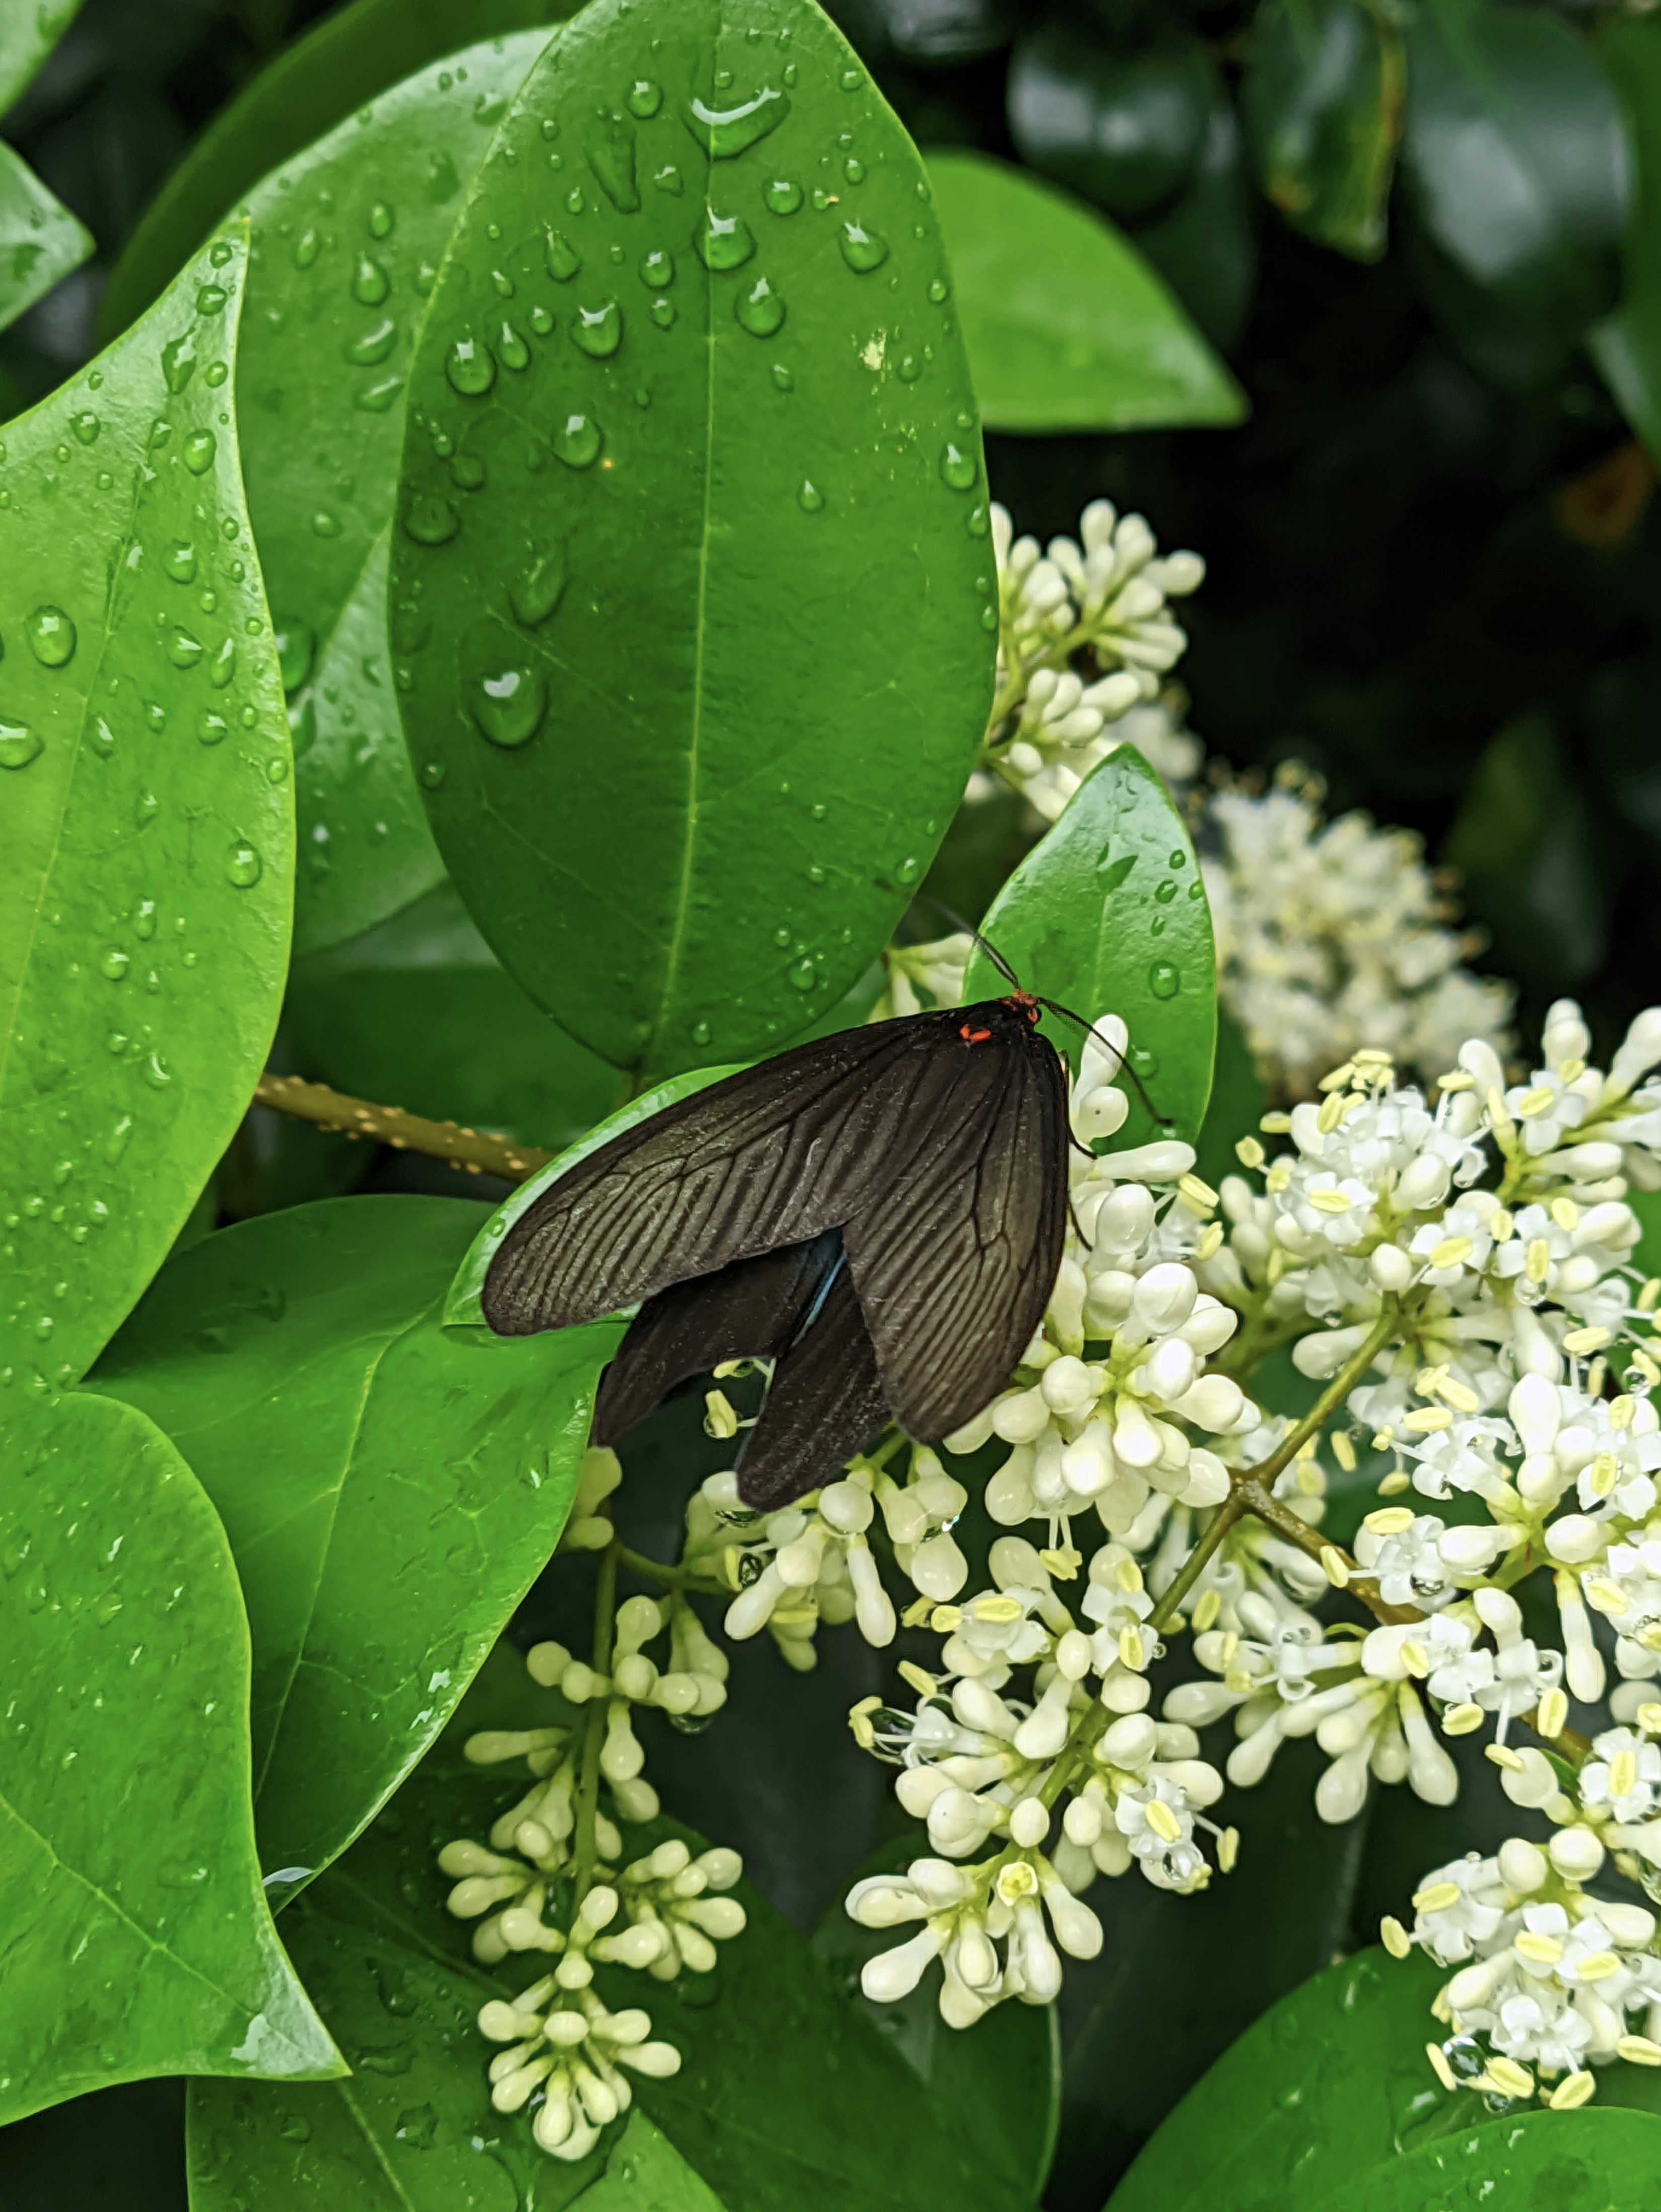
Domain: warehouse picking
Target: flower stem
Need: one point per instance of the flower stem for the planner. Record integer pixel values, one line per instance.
(585, 1855)
(470, 1151)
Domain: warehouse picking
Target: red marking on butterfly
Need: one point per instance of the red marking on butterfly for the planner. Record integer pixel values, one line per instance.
(972, 1037)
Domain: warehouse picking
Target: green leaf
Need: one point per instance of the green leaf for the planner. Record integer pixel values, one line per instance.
(41, 241)
(1524, 843)
(646, 2174)
(348, 234)
(463, 1309)
(1627, 344)
(1206, 246)
(1125, 125)
(420, 1011)
(1321, 96)
(144, 901)
(29, 30)
(1587, 2162)
(1646, 1204)
(1329, 2098)
(321, 79)
(1236, 1103)
(698, 666)
(1516, 168)
(1067, 327)
(390, 1488)
(1107, 915)
(1001, 2079)
(138, 1941)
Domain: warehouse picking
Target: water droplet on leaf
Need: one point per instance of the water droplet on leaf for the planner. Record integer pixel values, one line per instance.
(179, 560)
(644, 98)
(783, 195)
(1164, 980)
(243, 866)
(760, 310)
(958, 469)
(508, 707)
(470, 367)
(658, 269)
(598, 331)
(51, 635)
(809, 497)
(723, 241)
(726, 132)
(19, 744)
(178, 361)
(199, 449)
(561, 256)
(370, 284)
(578, 440)
(862, 250)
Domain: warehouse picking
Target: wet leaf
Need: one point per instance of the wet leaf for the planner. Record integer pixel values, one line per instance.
(421, 1012)
(1123, 124)
(1067, 327)
(41, 241)
(684, 794)
(646, 2174)
(1107, 915)
(390, 1488)
(1627, 344)
(138, 1941)
(1236, 1103)
(1323, 95)
(28, 32)
(145, 901)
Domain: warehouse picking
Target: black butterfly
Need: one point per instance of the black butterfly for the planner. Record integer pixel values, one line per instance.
(881, 1212)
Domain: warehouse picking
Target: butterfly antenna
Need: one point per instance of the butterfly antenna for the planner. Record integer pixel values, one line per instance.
(984, 944)
(1089, 1029)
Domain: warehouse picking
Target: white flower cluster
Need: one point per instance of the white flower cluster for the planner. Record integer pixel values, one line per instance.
(661, 1914)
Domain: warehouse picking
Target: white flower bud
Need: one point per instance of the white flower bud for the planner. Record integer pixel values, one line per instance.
(847, 1506)
(1163, 1161)
(1077, 1930)
(1021, 1416)
(1322, 1353)
(1070, 1387)
(1390, 1267)
(1576, 1853)
(1136, 1441)
(1088, 1464)
(873, 1607)
(1637, 1053)
(1532, 1784)
(1423, 1183)
(1169, 1372)
(1522, 1866)
(1216, 1403)
(658, 2061)
(1028, 1823)
(1575, 1538)
(1472, 1550)
(1207, 1480)
(1163, 1297)
(1130, 1742)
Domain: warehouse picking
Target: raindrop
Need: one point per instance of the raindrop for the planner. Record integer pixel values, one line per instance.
(729, 132)
(850, 80)
(562, 258)
(295, 2128)
(510, 706)
(816, 874)
(988, 619)
(374, 346)
(939, 289)
(304, 249)
(19, 744)
(430, 520)
(575, 202)
(179, 560)
(669, 179)
(541, 321)
(216, 372)
(470, 367)
(611, 152)
(598, 331)
(535, 593)
(222, 668)
(114, 964)
(782, 194)
(211, 728)
(295, 644)
(760, 310)
(723, 241)
(144, 920)
(979, 522)
(658, 269)
(862, 250)
(418, 2126)
(243, 866)
(578, 440)
(1164, 980)
(1177, 860)
(370, 284)
(86, 426)
(467, 470)
(700, 1033)
(184, 650)
(376, 399)
(663, 312)
(803, 975)
(511, 349)
(910, 368)
(781, 936)
(782, 377)
(644, 98)
(958, 469)
(157, 1073)
(854, 169)
(179, 362)
(199, 449)
(324, 525)
(432, 775)
(381, 220)
(102, 740)
(1197, 890)
(809, 497)
(210, 299)
(819, 809)
(908, 871)
(1165, 892)
(51, 635)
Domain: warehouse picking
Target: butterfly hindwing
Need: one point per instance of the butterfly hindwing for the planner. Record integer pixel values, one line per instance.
(825, 1402)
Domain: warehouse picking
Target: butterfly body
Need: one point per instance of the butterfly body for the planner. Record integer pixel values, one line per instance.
(880, 1212)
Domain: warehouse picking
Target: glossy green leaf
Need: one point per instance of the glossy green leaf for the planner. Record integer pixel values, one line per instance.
(1516, 166)
(1627, 344)
(39, 239)
(390, 1488)
(1067, 327)
(463, 1309)
(138, 1940)
(1585, 2161)
(348, 237)
(1125, 125)
(1526, 849)
(29, 29)
(1000, 2079)
(1321, 96)
(335, 68)
(684, 810)
(145, 901)
(1206, 246)
(646, 2174)
(1108, 915)
(421, 1014)
(1236, 1103)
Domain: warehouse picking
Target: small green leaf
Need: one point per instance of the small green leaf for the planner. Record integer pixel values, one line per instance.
(144, 899)
(693, 533)
(1108, 915)
(137, 1939)
(463, 1309)
(1516, 168)
(421, 1010)
(1321, 96)
(390, 1489)
(28, 32)
(1236, 1103)
(1067, 327)
(352, 231)
(41, 241)
(1627, 344)
(1585, 2161)
(646, 2174)
(322, 78)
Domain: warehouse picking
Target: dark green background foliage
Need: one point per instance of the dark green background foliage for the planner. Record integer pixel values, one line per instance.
(1379, 295)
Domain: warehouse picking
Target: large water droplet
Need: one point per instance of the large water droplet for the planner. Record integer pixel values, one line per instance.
(958, 469)
(184, 650)
(862, 250)
(663, 311)
(723, 241)
(376, 399)
(644, 98)
(86, 426)
(222, 668)
(508, 707)
(243, 866)
(939, 289)
(511, 349)
(430, 520)
(19, 744)
(114, 964)
(725, 132)
(658, 269)
(370, 284)
(782, 194)
(470, 367)
(760, 310)
(51, 635)
(374, 346)
(610, 151)
(535, 593)
(907, 871)
(296, 645)
(669, 179)
(101, 738)
(562, 258)
(1165, 892)
(1164, 980)
(598, 331)
(211, 729)
(178, 361)
(577, 441)
(809, 497)
(199, 449)
(803, 975)
(179, 560)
